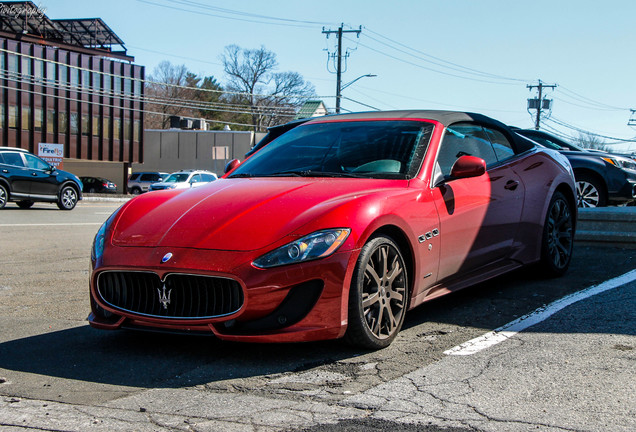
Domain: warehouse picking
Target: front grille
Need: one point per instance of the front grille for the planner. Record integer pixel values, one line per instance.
(178, 296)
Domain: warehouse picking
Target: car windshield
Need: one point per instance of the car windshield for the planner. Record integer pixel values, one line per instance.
(177, 178)
(373, 149)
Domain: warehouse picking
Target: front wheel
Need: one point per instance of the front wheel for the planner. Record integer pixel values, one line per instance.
(378, 297)
(4, 196)
(558, 237)
(590, 192)
(68, 198)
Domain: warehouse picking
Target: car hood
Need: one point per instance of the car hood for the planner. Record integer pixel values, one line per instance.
(236, 214)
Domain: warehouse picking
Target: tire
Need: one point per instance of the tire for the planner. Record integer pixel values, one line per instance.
(68, 198)
(25, 204)
(91, 190)
(377, 302)
(558, 237)
(4, 196)
(135, 191)
(590, 192)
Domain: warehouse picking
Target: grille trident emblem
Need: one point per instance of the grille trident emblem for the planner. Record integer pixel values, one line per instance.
(164, 298)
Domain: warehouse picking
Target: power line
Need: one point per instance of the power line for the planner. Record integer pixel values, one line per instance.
(436, 60)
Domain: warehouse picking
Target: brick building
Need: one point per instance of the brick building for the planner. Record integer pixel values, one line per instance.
(68, 82)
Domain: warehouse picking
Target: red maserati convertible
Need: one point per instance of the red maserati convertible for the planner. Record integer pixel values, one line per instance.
(336, 229)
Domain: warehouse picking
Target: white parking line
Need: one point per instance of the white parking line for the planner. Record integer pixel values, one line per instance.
(512, 328)
(50, 224)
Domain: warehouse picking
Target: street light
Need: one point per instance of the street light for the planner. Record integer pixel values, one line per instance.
(342, 87)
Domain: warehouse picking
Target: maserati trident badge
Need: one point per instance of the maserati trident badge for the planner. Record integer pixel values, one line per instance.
(166, 257)
(164, 298)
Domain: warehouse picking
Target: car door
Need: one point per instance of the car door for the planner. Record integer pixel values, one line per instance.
(196, 181)
(43, 179)
(479, 216)
(15, 171)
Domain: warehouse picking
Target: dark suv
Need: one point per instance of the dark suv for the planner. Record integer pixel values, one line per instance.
(25, 179)
(601, 178)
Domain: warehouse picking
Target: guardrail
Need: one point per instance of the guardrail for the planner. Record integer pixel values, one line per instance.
(613, 226)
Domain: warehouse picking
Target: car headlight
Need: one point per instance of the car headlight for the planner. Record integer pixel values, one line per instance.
(100, 238)
(621, 162)
(319, 244)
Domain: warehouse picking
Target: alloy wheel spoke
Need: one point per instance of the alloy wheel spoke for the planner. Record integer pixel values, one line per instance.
(369, 299)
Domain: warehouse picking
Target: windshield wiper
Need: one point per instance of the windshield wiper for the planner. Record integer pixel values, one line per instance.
(241, 175)
(312, 173)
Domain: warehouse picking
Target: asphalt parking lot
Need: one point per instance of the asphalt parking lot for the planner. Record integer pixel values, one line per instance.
(573, 371)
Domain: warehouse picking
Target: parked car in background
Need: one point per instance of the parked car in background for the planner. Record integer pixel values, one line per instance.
(139, 182)
(184, 179)
(26, 179)
(601, 178)
(337, 228)
(98, 185)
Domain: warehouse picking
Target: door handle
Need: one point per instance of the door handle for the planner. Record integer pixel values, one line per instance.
(34, 174)
(5, 171)
(511, 185)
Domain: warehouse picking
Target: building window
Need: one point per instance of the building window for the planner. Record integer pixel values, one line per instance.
(96, 78)
(86, 79)
(96, 126)
(127, 86)
(138, 87)
(50, 121)
(106, 127)
(38, 119)
(107, 86)
(127, 130)
(63, 71)
(116, 128)
(86, 128)
(13, 116)
(13, 63)
(26, 118)
(39, 70)
(74, 123)
(136, 130)
(62, 122)
(74, 78)
(26, 65)
(1, 110)
(117, 85)
(50, 71)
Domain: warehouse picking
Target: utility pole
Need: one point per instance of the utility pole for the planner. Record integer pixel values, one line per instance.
(338, 56)
(539, 103)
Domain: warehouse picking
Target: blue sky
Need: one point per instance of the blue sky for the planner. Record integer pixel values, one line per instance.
(473, 55)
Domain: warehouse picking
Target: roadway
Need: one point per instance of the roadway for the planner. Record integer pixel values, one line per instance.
(572, 371)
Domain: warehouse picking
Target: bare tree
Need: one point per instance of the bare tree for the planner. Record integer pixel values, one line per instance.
(272, 97)
(591, 141)
(172, 90)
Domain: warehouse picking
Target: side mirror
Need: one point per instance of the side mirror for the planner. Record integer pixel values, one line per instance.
(468, 166)
(231, 165)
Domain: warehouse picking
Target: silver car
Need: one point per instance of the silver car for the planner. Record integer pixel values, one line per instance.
(139, 182)
(184, 179)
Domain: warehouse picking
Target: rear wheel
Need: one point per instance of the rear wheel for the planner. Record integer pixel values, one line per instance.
(68, 198)
(378, 297)
(590, 192)
(4, 196)
(25, 204)
(558, 237)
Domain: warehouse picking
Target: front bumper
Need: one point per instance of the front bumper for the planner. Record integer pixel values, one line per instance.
(302, 302)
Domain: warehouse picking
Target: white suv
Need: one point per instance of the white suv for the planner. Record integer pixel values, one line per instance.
(184, 180)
